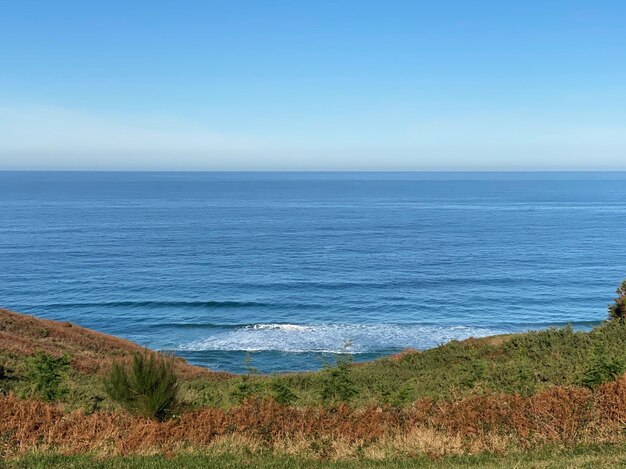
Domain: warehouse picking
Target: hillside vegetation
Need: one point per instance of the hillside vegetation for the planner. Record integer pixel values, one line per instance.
(506, 396)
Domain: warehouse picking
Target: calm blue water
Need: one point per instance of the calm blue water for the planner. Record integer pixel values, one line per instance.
(291, 265)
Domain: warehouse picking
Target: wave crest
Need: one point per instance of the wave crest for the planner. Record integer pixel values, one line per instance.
(159, 304)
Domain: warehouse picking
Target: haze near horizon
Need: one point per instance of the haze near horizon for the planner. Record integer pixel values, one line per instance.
(402, 85)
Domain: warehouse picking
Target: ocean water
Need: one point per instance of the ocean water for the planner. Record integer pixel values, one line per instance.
(290, 267)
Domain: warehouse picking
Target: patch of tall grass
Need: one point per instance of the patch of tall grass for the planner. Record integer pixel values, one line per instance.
(147, 386)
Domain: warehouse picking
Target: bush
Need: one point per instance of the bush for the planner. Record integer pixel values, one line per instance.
(246, 388)
(281, 392)
(148, 386)
(602, 369)
(394, 395)
(337, 382)
(618, 309)
(4, 371)
(47, 375)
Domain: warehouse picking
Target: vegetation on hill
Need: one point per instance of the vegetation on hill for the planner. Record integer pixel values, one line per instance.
(64, 389)
(90, 351)
(617, 310)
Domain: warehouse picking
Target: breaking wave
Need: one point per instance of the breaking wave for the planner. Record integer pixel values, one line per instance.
(332, 338)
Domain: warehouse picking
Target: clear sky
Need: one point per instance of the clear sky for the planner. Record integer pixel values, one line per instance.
(298, 85)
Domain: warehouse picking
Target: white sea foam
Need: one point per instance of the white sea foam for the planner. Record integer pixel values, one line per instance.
(351, 338)
(283, 327)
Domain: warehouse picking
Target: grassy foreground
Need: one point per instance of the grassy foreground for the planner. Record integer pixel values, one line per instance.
(554, 458)
(552, 398)
(521, 364)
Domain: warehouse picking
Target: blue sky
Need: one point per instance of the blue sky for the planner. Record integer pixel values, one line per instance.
(345, 85)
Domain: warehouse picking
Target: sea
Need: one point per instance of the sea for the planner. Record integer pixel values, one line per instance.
(290, 269)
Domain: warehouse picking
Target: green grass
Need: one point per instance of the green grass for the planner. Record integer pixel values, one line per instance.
(521, 363)
(582, 457)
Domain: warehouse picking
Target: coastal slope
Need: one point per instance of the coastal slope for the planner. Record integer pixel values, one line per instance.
(90, 351)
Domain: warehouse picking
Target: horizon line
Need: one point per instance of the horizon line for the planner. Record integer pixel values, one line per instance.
(31, 170)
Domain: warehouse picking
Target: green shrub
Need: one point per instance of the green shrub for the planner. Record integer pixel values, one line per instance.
(338, 384)
(4, 372)
(246, 387)
(148, 386)
(617, 310)
(47, 375)
(394, 395)
(282, 392)
(474, 373)
(602, 369)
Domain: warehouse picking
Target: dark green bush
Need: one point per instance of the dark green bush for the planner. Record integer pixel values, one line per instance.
(603, 368)
(282, 392)
(244, 389)
(338, 384)
(394, 395)
(4, 372)
(617, 310)
(148, 386)
(247, 387)
(47, 375)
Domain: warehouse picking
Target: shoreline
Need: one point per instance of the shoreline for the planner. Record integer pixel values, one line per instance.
(21, 332)
(48, 335)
